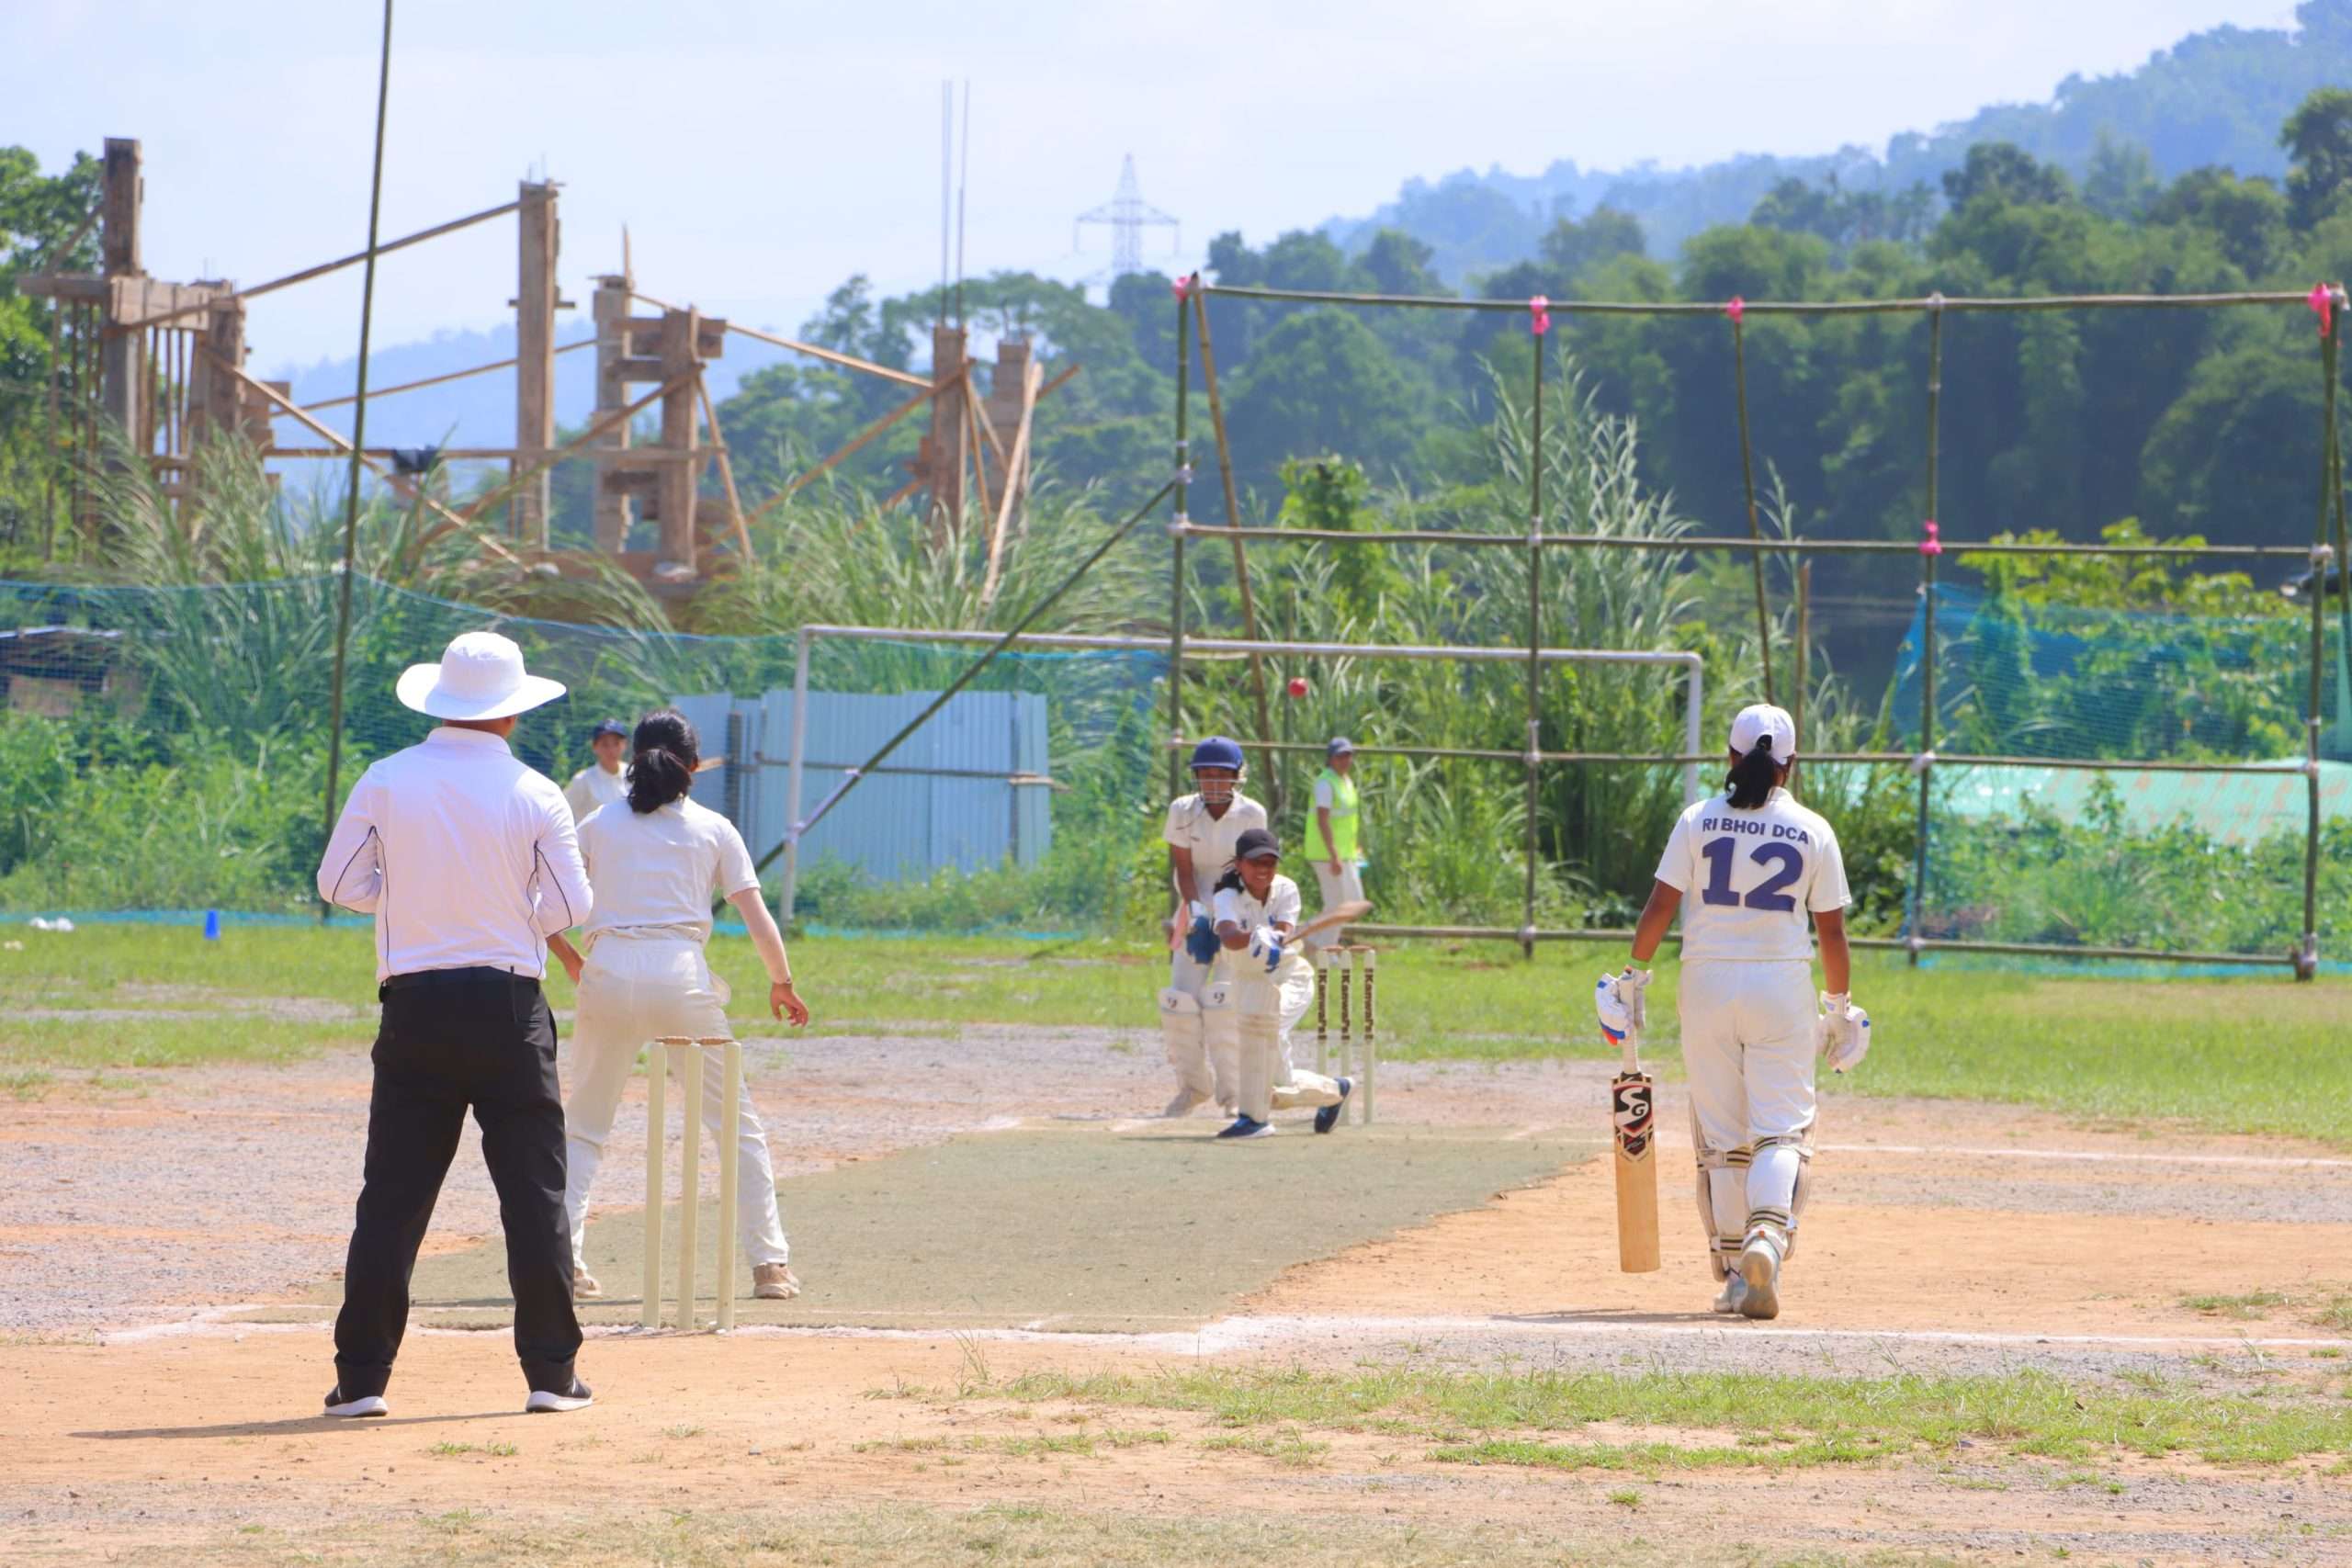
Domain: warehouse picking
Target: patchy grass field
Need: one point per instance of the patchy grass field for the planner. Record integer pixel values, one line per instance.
(2189, 1048)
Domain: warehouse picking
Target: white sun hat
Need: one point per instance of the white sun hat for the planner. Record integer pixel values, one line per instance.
(1753, 724)
(481, 676)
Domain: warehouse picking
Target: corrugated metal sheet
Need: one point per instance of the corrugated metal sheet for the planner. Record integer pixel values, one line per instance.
(896, 824)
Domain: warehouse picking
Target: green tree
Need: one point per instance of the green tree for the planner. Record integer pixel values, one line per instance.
(2318, 140)
(2248, 217)
(1572, 249)
(1321, 382)
(2007, 173)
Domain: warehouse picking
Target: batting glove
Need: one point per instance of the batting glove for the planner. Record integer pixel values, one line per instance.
(1843, 1031)
(1620, 1001)
(1200, 942)
(1267, 943)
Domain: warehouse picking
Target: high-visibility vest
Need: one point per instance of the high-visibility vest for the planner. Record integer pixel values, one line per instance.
(1343, 818)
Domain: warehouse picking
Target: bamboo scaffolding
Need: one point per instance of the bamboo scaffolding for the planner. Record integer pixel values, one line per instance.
(1013, 487)
(374, 392)
(308, 272)
(725, 469)
(1240, 556)
(1177, 528)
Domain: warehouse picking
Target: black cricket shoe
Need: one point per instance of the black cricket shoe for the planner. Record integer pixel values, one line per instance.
(365, 1404)
(547, 1401)
(1248, 1128)
(1328, 1116)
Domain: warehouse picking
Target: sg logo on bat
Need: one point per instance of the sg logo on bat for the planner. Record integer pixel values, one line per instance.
(1631, 1113)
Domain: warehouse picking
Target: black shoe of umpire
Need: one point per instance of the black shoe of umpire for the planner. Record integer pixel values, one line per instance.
(365, 1404)
(547, 1401)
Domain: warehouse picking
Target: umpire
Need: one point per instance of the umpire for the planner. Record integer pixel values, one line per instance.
(466, 857)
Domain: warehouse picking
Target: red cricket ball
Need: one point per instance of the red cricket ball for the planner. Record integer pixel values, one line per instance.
(1298, 685)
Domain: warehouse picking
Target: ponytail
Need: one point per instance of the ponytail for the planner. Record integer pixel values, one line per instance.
(1753, 776)
(1231, 881)
(661, 767)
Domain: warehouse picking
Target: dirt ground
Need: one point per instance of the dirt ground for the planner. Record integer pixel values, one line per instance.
(142, 1224)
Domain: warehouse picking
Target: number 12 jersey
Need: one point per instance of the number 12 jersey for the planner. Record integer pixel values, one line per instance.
(1751, 880)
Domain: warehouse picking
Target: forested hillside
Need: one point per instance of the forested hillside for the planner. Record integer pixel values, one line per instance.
(2216, 97)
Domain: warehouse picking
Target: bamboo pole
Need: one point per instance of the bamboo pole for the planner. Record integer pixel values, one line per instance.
(2307, 955)
(297, 411)
(1176, 576)
(308, 272)
(1012, 487)
(1932, 305)
(445, 376)
(1685, 542)
(1241, 554)
(1534, 632)
(725, 469)
(1927, 550)
(1747, 480)
(831, 356)
(978, 448)
(851, 777)
(359, 438)
(596, 427)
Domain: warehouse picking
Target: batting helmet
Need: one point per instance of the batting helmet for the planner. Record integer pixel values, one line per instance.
(1217, 751)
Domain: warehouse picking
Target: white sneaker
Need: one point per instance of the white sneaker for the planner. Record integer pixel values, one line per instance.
(774, 1283)
(547, 1401)
(1760, 1266)
(1734, 1290)
(367, 1405)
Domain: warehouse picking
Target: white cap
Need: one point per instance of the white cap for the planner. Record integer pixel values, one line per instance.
(481, 676)
(1762, 721)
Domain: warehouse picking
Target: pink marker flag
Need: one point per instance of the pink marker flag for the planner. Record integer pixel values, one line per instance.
(1180, 286)
(1736, 309)
(1931, 546)
(1539, 315)
(2322, 299)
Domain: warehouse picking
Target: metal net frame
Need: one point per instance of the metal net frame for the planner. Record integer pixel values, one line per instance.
(2328, 546)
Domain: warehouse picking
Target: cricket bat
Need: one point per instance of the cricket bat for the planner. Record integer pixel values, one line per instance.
(1633, 1135)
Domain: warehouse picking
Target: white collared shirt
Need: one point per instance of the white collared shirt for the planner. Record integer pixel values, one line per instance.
(591, 789)
(464, 855)
(660, 869)
(1210, 839)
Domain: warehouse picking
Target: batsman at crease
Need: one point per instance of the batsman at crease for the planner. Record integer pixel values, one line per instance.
(1762, 865)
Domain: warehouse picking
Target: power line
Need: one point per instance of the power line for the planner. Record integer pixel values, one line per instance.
(1128, 214)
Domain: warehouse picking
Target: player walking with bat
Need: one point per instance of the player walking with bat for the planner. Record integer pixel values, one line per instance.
(1759, 865)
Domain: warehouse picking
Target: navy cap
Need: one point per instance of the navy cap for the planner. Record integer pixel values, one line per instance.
(1340, 746)
(608, 727)
(1256, 845)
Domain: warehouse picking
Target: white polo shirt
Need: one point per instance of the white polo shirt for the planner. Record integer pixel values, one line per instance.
(658, 870)
(1752, 880)
(1210, 839)
(465, 856)
(592, 787)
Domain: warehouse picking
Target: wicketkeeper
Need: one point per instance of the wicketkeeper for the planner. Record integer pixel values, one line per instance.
(1196, 1008)
(1761, 863)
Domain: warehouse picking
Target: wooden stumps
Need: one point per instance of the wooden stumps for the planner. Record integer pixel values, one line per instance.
(615, 512)
(536, 303)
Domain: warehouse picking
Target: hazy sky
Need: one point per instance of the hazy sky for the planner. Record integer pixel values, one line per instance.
(761, 152)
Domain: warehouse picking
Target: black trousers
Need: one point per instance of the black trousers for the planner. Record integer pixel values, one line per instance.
(450, 1041)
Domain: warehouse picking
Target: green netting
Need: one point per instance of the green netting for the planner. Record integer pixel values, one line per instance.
(2146, 859)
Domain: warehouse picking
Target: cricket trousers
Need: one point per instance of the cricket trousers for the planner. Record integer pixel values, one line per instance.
(633, 990)
(1270, 1006)
(1345, 889)
(453, 1041)
(1747, 1050)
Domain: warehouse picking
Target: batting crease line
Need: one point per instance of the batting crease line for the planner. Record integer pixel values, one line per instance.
(1231, 1334)
(2265, 1162)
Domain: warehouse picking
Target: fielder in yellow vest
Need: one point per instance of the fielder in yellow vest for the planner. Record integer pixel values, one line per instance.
(1336, 841)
